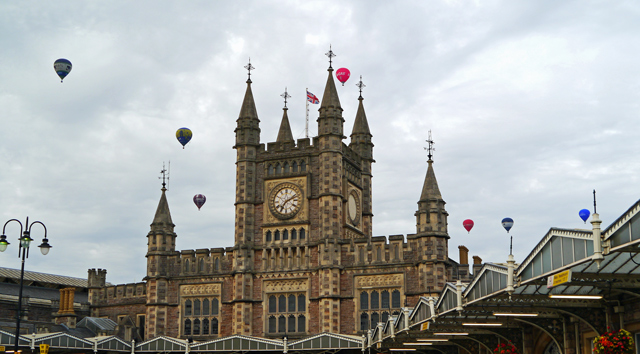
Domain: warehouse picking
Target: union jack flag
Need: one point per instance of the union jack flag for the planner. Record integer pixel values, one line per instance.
(312, 98)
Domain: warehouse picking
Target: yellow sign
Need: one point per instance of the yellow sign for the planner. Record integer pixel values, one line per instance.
(424, 326)
(44, 348)
(560, 278)
(2, 348)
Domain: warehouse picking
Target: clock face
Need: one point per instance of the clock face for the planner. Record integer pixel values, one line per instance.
(353, 208)
(286, 200)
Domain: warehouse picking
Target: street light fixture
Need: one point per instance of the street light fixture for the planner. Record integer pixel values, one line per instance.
(23, 252)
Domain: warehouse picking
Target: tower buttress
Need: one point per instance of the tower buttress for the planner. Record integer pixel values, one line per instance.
(361, 143)
(161, 245)
(247, 142)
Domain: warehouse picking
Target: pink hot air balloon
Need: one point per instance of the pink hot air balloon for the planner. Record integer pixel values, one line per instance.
(199, 200)
(343, 75)
(468, 224)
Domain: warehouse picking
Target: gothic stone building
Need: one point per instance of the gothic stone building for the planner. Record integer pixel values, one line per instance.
(304, 259)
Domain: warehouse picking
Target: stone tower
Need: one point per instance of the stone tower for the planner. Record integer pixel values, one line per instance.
(362, 144)
(161, 245)
(431, 225)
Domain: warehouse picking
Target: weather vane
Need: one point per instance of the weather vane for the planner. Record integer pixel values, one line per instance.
(165, 175)
(360, 86)
(330, 55)
(249, 67)
(285, 95)
(430, 149)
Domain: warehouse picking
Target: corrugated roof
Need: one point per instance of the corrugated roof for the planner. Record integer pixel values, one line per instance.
(43, 277)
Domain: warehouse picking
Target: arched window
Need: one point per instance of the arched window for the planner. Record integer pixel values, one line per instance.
(187, 308)
(292, 303)
(205, 326)
(196, 327)
(286, 167)
(294, 234)
(282, 303)
(361, 251)
(292, 323)
(187, 327)
(364, 301)
(196, 309)
(201, 265)
(272, 324)
(205, 307)
(303, 166)
(385, 299)
(375, 318)
(375, 300)
(396, 254)
(302, 234)
(186, 265)
(268, 236)
(379, 253)
(302, 303)
(270, 170)
(294, 167)
(285, 234)
(277, 235)
(302, 324)
(364, 322)
(214, 326)
(282, 324)
(385, 316)
(272, 304)
(214, 307)
(216, 264)
(395, 299)
(278, 169)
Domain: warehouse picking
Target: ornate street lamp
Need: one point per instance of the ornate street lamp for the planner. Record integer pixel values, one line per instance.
(23, 252)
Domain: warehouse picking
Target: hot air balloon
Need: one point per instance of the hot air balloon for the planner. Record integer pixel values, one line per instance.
(343, 75)
(184, 136)
(584, 214)
(62, 68)
(199, 200)
(468, 224)
(507, 223)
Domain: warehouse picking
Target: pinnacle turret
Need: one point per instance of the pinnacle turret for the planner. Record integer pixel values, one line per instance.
(284, 134)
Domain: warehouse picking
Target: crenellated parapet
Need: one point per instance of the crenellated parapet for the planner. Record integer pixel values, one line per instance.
(203, 261)
(120, 294)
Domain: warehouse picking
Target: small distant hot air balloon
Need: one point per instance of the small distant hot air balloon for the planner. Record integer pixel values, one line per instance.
(62, 68)
(584, 214)
(343, 75)
(199, 200)
(468, 224)
(184, 136)
(507, 223)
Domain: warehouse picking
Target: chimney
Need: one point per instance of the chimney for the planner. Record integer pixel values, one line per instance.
(463, 269)
(477, 264)
(66, 313)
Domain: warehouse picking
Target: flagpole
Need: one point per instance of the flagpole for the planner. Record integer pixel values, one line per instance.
(306, 126)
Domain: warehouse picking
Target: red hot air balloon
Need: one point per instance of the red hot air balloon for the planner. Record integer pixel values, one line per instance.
(343, 75)
(468, 224)
(199, 200)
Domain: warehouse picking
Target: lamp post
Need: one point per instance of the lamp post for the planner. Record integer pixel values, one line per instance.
(23, 252)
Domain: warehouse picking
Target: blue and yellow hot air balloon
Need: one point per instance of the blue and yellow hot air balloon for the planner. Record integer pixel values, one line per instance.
(62, 68)
(184, 136)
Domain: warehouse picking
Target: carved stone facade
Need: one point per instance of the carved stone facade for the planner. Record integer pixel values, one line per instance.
(304, 260)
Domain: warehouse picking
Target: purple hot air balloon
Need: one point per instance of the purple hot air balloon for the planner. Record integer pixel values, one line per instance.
(199, 200)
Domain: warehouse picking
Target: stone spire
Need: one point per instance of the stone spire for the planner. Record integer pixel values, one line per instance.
(284, 134)
(162, 219)
(361, 125)
(431, 217)
(248, 125)
(330, 97)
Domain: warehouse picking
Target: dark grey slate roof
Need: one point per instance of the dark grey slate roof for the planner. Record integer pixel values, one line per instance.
(38, 292)
(43, 277)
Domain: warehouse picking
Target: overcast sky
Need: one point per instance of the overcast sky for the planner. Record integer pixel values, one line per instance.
(532, 105)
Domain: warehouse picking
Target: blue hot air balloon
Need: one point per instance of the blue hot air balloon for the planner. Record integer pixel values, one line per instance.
(62, 68)
(184, 136)
(584, 214)
(507, 223)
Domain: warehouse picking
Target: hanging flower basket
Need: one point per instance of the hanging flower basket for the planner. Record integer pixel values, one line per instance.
(620, 342)
(505, 348)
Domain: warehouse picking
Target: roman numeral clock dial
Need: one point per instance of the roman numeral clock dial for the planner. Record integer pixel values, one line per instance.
(285, 201)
